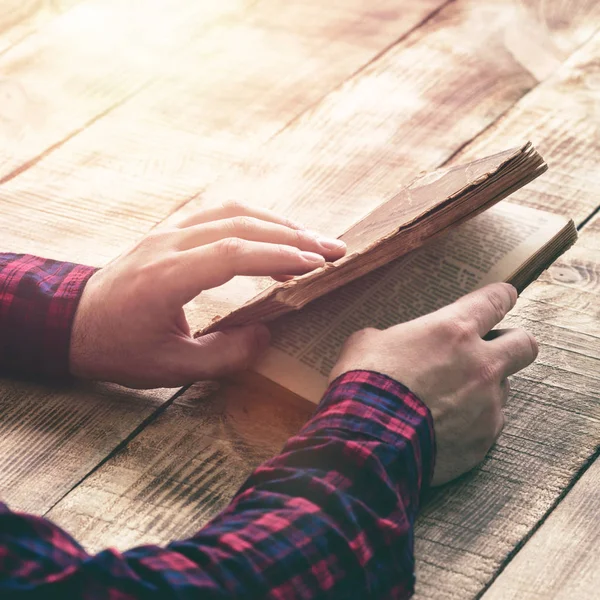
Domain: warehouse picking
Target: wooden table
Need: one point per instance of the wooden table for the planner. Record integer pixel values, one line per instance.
(118, 114)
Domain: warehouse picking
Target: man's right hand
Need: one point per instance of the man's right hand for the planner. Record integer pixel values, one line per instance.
(451, 363)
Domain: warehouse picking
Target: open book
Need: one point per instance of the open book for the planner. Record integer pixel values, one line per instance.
(506, 243)
(438, 239)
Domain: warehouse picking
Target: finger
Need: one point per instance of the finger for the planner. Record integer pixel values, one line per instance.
(500, 422)
(222, 352)
(515, 349)
(214, 264)
(257, 230)
(236, 209)
(484, 308)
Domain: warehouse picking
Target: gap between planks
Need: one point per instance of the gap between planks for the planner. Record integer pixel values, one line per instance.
(556, 504)
(122, 444)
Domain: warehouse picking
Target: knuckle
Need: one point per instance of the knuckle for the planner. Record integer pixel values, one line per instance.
(231, 248)
(497, 303)
(488, 372)
(241, 353)
(362, 337)
(285, 252)
(300, 238)
(458, 330)
(243, 225)
(292, 224)
(233, 208)
(153, 239)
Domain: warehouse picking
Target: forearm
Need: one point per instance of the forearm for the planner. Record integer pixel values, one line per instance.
(38, 301)
(331, 516)
(338, 503)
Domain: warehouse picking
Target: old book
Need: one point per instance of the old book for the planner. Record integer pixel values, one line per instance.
(430, 206)
(508, 242)
(439, 238)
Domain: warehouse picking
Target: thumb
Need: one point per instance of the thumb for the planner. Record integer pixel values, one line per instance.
(222, 352)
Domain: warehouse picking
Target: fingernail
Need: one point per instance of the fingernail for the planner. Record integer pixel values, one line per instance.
(312, 257)
(327, 243)
(331, 244)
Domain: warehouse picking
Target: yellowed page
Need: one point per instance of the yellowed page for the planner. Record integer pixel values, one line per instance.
(488, 248)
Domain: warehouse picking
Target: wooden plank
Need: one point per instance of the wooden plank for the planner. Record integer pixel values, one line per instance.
(468, 530)
(53, 82)
(88, 200)
(19, 19)
(561, 560)
(562, 118)
(51, 438)
(575, 271)
(139, 480)
(87, 61)
(182, 469)
(115, 181)
(582, 317)
(362, 24)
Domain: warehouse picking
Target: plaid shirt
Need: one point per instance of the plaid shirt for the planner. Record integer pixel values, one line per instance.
(330, 517)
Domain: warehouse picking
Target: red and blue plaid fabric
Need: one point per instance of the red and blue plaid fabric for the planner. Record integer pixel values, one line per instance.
(38, 299)
(330, 517)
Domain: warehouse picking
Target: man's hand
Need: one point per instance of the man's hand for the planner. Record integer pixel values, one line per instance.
(455, 366)
(130, 327)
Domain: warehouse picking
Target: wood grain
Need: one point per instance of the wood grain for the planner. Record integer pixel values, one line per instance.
(576, 271)
(234, 87)
(20, 18)
(183, 468)
(562, 118)
(553, 418)
(561, 560)
(467, 530)
(51, 438)
(181, 471)
(87, 61)
(355, 21)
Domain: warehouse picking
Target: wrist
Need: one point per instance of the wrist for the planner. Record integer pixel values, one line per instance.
(83, 338)
(371, 405)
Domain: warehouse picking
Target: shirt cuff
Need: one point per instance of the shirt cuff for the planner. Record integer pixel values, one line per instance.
(38, 301)
(376, 406)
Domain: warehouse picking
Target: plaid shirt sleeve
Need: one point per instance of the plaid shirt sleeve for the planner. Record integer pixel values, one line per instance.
(38, 300)
(330, 517)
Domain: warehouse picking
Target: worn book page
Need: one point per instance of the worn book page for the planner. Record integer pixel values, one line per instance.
(486, 249)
